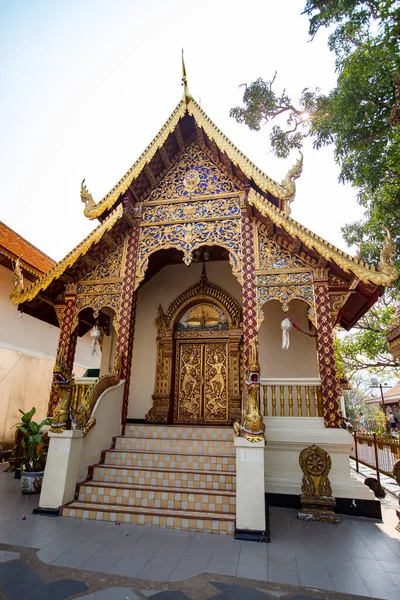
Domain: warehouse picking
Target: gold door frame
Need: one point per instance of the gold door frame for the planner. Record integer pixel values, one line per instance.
(202, 292)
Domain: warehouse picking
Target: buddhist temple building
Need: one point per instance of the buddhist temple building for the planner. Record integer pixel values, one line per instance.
(214, 308)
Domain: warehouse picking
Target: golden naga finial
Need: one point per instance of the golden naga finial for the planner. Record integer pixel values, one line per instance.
(388, 252)
(87, 198)
(289, 182)
(186, 94)
(17, 277)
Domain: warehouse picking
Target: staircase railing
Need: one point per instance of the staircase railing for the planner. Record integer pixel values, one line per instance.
(79, 390)
(291, 397)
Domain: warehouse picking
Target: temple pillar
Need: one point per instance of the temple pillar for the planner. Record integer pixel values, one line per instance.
(249, 283)
(326, 358)
(125, 325)
(67, 338)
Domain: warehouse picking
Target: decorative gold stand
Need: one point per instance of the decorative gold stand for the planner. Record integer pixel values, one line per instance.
(317, 503)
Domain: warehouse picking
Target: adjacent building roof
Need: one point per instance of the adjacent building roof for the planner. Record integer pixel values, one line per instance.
(13, 246)
(389, 396)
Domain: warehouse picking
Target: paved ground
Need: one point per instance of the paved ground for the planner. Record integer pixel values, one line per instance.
(54, 558)
(388, 483)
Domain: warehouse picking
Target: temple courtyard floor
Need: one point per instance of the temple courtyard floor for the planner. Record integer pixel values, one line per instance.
(45, 558)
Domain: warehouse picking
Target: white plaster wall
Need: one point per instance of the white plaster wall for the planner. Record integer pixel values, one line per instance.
(162, 289)
(27, 351)
(301, 358)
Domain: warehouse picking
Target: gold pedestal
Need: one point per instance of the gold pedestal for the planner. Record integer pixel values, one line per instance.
(318, 508)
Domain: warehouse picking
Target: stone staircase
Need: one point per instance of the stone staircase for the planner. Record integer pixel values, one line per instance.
(174, 476)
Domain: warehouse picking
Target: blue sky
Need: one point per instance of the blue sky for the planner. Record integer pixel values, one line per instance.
(86, 85)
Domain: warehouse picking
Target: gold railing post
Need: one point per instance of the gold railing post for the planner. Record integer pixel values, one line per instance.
(273, 388)
(265, 398)
(315, 396)
(299, 402)
(282, 399)
(308, 404)
(320, 403)
(290, 388)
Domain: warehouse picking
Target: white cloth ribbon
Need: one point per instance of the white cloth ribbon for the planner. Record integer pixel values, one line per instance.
(286, 326)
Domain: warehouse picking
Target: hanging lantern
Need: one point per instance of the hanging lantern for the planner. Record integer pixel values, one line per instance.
(95, 335)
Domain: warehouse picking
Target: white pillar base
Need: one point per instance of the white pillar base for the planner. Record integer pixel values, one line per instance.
(61, 473)
(250, 488)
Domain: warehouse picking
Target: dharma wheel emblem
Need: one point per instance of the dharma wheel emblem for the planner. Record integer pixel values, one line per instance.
(191, 180)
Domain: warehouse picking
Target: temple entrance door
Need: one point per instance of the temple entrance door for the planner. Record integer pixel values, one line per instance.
(201, 382)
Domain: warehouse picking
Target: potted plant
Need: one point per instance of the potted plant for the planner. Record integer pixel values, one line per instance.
(34, 451)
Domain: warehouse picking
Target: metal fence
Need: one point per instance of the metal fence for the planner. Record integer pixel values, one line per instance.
(377, 452)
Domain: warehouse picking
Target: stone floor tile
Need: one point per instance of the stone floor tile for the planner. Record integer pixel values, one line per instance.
(38, 542)
(350, 586)
(226, 553)
(283, 576)
(345, 571)
(253, 559)
(126, 566)
(160, 559)
(47, 555)
(374, 576)
(193, 562)
(251, 571)
(183, 574)
(6, 556)
(110, 552)
(395, 577)
(199, 551)
(88, 597)
(117, 593)
(321, 582)
(99, 564)
(69, 560)
(366, 564)
(85, 548)
(386, 592)
(155, 573)
(389, 566)
(282, 562)
(222, 567)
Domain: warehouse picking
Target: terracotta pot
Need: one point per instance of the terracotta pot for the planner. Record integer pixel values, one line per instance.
(31, 482)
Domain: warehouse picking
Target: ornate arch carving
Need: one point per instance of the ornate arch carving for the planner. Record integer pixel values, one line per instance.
(200, 293)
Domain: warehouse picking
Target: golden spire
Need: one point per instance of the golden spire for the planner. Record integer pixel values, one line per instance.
(186, 94)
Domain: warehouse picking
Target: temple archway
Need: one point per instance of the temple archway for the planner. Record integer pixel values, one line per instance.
(198, 358)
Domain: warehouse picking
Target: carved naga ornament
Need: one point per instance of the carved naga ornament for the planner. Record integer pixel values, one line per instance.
(289, 183)
(87, 198)
(17, 277)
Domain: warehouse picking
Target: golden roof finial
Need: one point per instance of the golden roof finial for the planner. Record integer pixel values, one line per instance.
(186, 94)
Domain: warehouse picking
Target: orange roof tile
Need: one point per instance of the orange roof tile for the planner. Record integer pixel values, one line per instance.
(16, 245)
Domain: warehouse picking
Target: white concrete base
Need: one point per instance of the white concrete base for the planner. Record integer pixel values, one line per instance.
(250, 490)
(70, 453)
(288, 436)
(61, 471)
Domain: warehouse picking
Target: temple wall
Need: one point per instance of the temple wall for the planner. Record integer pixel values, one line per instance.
(300, 360)
(162, 289)
(27, 351)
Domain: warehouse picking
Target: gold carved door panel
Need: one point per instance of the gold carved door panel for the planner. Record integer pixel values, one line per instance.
(202, 382)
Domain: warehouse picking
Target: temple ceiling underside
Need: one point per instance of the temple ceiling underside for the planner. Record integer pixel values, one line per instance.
(188, 191)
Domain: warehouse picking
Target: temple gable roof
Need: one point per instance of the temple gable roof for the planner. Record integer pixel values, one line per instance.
(189, 135)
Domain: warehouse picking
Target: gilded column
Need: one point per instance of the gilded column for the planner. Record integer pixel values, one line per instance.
(249, 283)
(127, 313)
(326, 359)
(67, 337)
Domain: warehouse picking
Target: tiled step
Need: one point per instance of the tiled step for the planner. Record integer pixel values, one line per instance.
(186, 520)
(163, 460)
(200, 479)
(154, 497)
(175, 445)
(178, 432)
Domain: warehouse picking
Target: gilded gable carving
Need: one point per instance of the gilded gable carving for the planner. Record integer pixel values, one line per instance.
(271, 256)
(193, 175)
(109, 268)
